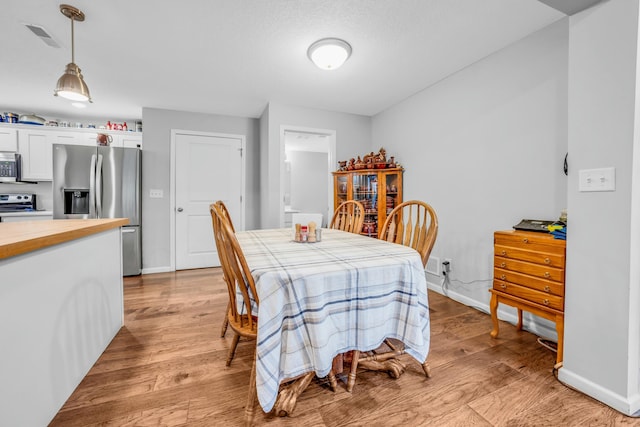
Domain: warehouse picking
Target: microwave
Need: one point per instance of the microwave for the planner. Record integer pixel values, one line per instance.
(10, 167)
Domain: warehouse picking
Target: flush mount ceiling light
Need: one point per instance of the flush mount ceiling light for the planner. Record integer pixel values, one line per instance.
(329, 53)
(71, 85)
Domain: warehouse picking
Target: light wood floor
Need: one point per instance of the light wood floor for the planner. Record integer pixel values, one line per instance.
(166, 367)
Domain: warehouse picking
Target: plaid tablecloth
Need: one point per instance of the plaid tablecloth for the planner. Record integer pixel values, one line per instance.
(321, 299)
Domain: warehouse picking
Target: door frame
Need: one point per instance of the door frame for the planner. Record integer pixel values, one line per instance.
(331, 161)
(172, 184)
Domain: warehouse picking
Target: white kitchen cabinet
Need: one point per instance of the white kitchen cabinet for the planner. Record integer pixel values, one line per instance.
(8, 139)
(132, 140)
(35, 146)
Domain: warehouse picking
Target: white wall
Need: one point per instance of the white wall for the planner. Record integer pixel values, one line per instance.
(353, 135)
(485, 148)
(156, 163)
(601, 306)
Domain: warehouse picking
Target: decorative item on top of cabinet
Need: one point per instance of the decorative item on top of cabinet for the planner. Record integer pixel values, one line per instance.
(379, 190)
(529, 275)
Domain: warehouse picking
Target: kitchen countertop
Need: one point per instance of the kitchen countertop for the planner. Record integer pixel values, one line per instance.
(26, 213)
(20, 237)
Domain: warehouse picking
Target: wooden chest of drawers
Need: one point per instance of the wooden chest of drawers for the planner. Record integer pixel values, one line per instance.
(528, 274)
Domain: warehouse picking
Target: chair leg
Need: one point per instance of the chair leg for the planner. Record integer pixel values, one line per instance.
(351, 381)
(232, 350)
(225, 323)
(252, 396)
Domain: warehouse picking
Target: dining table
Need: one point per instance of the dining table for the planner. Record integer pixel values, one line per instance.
(321, 299)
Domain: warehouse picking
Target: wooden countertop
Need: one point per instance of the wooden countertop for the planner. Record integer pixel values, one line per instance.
(20, 237)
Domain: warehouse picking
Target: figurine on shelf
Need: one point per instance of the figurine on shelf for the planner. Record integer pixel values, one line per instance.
(392, 162)
(359, 164)
(342, 165)
(352, 164)
(382, 156)
(370, 162)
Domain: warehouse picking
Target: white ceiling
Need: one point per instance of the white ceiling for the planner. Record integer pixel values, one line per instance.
(233, 57)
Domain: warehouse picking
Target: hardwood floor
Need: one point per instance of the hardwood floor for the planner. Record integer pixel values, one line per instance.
(167, 367)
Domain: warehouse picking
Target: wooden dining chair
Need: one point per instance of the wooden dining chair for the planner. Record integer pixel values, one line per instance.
(226, 216)
(349, 216)
(415, 224)
(235, 267)
(238, 276)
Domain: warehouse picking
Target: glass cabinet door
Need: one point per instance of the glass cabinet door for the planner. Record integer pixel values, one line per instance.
(365, 190)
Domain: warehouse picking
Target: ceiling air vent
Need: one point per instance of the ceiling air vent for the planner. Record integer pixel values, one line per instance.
(42, 34)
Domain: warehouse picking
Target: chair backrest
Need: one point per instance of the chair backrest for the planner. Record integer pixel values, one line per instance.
(412, 223)
(305, 218)
(235, 268)
(223, 208)
(349, 216)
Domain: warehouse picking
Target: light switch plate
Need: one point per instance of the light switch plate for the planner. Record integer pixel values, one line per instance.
(603, 179)
(156, 194)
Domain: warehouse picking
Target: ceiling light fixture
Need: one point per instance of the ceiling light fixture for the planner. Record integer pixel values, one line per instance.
(329, 53)
(71, 85)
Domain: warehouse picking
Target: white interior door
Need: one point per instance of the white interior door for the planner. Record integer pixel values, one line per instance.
(207, 168)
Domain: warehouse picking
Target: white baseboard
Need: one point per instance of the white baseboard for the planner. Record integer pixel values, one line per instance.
(530, 322)
(166, 269)
(628, 406)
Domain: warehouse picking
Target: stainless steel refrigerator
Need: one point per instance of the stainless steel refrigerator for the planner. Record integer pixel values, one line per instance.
(101, 182)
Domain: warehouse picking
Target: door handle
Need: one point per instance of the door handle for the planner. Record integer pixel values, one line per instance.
(179, 209)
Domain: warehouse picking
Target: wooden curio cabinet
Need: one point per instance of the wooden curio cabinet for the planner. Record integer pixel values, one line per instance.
(379, 191)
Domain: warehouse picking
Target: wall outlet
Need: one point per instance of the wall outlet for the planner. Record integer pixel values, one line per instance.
(156, 194)
(447, 265)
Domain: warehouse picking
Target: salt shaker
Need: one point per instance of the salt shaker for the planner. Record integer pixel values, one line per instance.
(312, 232)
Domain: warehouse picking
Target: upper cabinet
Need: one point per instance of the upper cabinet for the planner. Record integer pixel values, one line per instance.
(35, 144)
(8, 139)
(35, 148)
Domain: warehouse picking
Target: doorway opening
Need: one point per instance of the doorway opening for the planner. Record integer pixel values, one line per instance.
(306, 185)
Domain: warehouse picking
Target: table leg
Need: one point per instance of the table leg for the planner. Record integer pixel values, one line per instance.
(252, 396)
(384, 362)
(493, 305)
(288, 395)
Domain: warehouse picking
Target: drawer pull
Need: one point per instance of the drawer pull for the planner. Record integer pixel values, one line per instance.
(547, 274)
(503, 264)
(547, 288)
(503, 253)
(503, 286)
(503, 277)
(525, 240)
(545, 301)
(547, 261)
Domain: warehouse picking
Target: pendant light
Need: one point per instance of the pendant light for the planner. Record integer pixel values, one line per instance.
(71, 85)
(329, 53)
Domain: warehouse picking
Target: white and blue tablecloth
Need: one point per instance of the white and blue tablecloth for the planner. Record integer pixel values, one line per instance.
(317, 300)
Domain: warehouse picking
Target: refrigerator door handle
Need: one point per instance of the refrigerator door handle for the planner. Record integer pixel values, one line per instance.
(128, 230)
(99, 187)
(92, 187)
